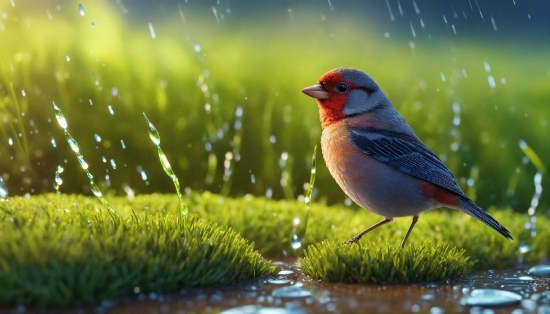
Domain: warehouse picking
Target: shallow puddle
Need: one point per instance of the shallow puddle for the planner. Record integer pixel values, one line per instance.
(292, 292)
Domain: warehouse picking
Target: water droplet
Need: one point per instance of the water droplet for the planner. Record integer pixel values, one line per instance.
(74, 145)
(3, 189)
(122, 144)
(437, 310)
(197, 48)
(114, 91)
(491, 81)
(59, 116)
(82, 162)
(97, 137)
(491, 297)
(540, 270)
(253, 309)
(53, 142)
(143, 175)
(268, 193)
(68, 58)
(95, 190)
(278, 281)
(58, 179)
(296, 291)
(524, 247)
(113, 164)
(152, 30)
(23, 93)
(486, 66)
(111, 111)
(295, 242)
(272, 139)
(81, 9)
(10, 141)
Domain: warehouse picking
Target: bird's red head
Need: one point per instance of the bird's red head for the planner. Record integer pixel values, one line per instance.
(333, 89)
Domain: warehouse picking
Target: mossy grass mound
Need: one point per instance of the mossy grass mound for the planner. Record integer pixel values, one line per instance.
(382, 262)
(68, 250)
(269, 224)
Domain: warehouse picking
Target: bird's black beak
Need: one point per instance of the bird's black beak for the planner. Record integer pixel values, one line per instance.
(316, 91)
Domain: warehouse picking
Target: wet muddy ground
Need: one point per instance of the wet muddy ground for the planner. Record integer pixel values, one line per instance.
(292, 292)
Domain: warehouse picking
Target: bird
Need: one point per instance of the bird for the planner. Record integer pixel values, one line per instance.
(376, 158)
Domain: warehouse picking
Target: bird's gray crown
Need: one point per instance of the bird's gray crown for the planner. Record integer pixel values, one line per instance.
(359, 78)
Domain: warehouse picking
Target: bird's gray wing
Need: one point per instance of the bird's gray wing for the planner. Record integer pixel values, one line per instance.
(406, 154)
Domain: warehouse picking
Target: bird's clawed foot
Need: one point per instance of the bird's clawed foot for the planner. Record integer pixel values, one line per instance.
(352, 240)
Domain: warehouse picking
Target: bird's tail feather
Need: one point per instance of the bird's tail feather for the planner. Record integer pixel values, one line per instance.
(472, 209)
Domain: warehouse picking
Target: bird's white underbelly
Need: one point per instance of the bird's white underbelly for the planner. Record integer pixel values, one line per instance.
(370, 183)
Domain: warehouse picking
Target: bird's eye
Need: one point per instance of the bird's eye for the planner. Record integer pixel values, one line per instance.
(341, 88)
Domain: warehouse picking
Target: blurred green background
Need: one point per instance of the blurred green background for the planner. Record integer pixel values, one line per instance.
(221, 82)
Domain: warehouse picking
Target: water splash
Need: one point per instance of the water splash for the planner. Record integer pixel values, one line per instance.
(299, 233)
(58, 180)
(74, 146)
(155, 137)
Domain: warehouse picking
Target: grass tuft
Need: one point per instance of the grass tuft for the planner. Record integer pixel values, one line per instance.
(382, 262)
(62, 251)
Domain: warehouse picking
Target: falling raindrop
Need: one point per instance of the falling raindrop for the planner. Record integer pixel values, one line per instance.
(152, 30)
(81, 10)
(3, 189)
(197, 48)
(389, 9)
(412, 29)
(97, 137)
(10, 141)
(111, 111)
(68, 58)
(122, 144)
(113, 164)
(491, 81)
(58, 179)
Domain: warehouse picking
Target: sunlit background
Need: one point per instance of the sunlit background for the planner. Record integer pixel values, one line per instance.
(221, 82)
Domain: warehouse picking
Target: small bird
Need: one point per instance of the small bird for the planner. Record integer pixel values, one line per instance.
(376, 158)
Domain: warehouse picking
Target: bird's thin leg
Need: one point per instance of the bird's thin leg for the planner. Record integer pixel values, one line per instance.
(415, 219)
(362, 233)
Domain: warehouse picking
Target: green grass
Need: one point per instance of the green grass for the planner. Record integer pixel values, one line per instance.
(382, 262)
(269, 224)
(67, 250)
